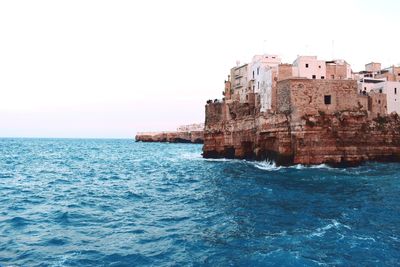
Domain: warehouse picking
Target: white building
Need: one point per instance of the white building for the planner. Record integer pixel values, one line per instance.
(261, 75)
(392, 91)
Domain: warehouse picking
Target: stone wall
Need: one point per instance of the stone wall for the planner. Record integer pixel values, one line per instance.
(335, 71)
(377, 104)
(311, 97)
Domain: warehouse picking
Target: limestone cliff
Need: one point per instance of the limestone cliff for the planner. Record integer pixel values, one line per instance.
(303, 129)
(195, 137)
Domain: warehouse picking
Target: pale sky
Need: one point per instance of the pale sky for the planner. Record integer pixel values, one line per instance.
(112, 68)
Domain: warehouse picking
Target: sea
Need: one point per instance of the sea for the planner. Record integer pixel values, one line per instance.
(109, 202)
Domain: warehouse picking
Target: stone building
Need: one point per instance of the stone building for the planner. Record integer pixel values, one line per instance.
(300, 96)
(338, 70)
(377, 104)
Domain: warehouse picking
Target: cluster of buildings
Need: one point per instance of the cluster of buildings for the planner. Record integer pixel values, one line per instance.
(378, 89)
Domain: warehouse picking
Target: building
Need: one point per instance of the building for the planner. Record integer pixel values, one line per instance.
(263, 70)
(309, 67)
(374, 80)
(239, 82)
(301, 96)
(392, 92)
(390, 74)
(257, 83)
(338, 70)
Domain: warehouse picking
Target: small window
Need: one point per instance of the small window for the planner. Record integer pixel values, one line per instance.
(322, 77)
(258, 70)
(379, 101)
(332, 77)
(306, 65)
(365, 88)
(314, 77)
(319, 66)
(327, 99)
(398, 74)
(380, 90)
(258, 85)
(253, 74)
(254, 87)
(395, 91)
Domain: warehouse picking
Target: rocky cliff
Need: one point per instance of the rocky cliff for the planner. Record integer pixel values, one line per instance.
(172, 137)
(303, 132)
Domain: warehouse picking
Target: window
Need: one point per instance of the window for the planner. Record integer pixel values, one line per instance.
(254, 87)
(327, 99)
(253, 74)
(314, 77)
(395, 91)
(322, 77)
(380, 90)
(379, 101)
(258, 85)
(306, 65)
(319, 66)
(398, 74)
(258, 70)
(333, 77)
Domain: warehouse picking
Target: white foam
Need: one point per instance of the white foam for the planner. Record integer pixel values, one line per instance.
(322, 230)
(301, 167)
(192, 155)
(266, 165)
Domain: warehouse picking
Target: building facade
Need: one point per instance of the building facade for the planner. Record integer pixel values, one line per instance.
(257, 82)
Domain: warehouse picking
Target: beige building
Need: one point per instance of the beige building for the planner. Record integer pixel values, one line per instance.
(309, 67)
(239, 82)
(390, 74)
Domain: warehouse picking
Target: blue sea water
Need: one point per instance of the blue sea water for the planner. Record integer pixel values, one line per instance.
(70, 202)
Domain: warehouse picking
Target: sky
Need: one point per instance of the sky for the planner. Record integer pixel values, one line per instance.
(109, 69)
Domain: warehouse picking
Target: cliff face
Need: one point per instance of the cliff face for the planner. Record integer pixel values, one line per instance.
(172, 137)
(303, 130)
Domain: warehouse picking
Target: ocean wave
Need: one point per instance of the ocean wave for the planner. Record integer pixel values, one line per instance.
(130, 204)
(266, 166)
(301, 167)
(271, 166)
(321, 231)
